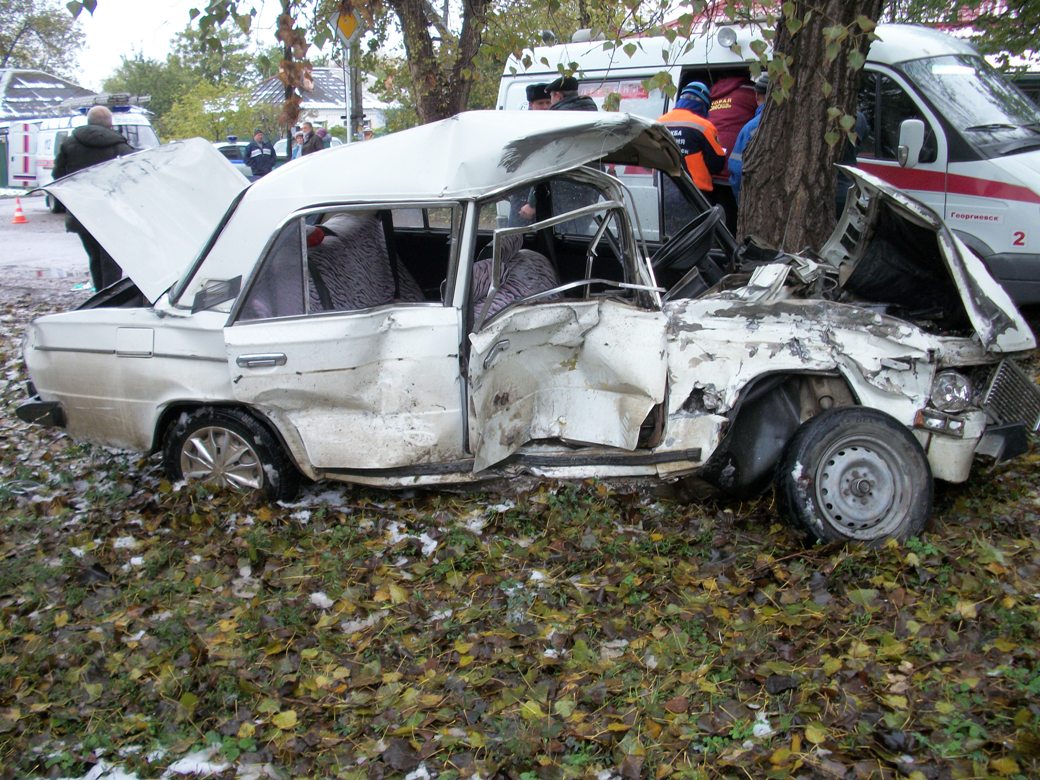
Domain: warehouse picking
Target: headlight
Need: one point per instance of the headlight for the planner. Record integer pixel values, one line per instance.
(952, 392)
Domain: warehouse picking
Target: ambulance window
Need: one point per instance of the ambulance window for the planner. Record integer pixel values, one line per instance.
(628, 96)
(884, 105)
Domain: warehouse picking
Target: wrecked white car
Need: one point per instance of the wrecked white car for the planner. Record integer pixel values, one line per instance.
(542, 293)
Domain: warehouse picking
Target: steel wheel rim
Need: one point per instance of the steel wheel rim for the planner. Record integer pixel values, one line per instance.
(221, 457)
(862, 489)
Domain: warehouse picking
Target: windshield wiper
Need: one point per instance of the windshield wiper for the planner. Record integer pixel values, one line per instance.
(993, 126)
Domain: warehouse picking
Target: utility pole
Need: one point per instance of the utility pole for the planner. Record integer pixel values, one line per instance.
(357, 107)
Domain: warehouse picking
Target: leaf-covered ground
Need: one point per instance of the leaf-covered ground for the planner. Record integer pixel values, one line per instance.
(572, 631)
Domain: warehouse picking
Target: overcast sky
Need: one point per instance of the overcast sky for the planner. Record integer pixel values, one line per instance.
(123, 27)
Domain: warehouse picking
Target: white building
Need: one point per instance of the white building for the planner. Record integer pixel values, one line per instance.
(325, 103)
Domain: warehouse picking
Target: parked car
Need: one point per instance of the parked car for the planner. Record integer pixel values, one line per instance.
(282, 144)
(383, 315)
(233, 150)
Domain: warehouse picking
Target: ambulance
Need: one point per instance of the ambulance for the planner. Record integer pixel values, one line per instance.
(32, 144)
(943, 125)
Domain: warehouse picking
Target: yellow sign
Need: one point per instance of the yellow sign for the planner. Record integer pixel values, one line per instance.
(347, 26)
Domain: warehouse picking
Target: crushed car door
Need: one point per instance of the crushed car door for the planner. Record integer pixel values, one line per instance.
(582, 371)
(360, 377)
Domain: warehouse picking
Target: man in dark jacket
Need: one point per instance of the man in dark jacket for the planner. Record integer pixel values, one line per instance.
(260, 155)
(311, 141)
(89, 145)
(564, 96)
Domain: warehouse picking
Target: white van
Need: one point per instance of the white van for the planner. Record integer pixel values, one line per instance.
(32, 144)
(943, 126)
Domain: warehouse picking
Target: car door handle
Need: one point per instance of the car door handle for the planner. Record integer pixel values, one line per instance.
(498, 348)
(264, 360)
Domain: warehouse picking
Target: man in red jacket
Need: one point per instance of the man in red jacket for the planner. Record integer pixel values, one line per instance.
(732, 106)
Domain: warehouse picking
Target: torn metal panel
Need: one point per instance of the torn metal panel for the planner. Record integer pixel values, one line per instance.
(586, 372)
(154, 211)
(372, 389)
(999, 325)
(716, 347)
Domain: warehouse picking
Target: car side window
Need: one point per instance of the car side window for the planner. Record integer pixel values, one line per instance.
(278, 288)
(353, 259)
(884, 106)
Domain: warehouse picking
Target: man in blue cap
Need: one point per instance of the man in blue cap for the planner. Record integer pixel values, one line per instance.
(697, 137)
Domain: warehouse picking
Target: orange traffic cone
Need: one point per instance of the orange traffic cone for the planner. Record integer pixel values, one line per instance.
(19, 215)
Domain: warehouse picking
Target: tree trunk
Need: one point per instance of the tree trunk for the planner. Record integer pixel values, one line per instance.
(787, 194)
(441, 77)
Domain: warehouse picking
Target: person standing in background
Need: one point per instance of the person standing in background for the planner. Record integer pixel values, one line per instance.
(260, 155)
(90, 144)
(747, 132)
(732, 105)
(311, 141)
(537, 98)
(563, 94)
(697, 137)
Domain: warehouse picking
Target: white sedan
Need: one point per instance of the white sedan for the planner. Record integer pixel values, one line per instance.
(542, 293)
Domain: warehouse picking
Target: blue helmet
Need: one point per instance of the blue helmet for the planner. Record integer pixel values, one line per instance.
(696, 91)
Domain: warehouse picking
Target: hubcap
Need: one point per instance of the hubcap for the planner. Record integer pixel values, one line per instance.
(862, 489)
(221, 457)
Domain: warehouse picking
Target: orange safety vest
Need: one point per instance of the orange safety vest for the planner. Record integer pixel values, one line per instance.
(694, 133)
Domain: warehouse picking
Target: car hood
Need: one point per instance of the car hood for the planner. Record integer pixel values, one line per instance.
(154, 211)
(988, 307)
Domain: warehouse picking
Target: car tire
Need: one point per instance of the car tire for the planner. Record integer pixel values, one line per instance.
(53, 205)
(855, 474)
(230, 449)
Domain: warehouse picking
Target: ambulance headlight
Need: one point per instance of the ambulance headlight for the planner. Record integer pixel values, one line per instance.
(951, 392)
(727, 36)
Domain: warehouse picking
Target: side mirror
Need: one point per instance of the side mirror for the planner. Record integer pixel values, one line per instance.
(911, 141)
(216, 291)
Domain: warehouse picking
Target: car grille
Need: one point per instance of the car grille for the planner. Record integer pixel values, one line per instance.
(1012, 397)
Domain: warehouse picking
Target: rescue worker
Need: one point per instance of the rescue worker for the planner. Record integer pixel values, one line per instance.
(537, 98)
(563, 96)
(696, 136)
(89, 145)
(747, 132)
(260, 155)
(732, 106)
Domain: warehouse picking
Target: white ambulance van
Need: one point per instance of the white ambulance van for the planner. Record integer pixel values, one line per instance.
(32, 144)
(943, 126)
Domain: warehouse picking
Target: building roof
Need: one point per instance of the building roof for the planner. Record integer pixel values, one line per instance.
(27, 94)
(327, 92)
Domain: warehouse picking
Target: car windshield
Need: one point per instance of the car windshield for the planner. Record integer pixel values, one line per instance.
(992, 114)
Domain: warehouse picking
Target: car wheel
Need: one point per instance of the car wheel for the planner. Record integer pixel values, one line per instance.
(230, 449)
(53, 205)
(855, 474)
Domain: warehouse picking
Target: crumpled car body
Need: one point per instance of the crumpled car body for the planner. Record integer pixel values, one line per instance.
(546, 294)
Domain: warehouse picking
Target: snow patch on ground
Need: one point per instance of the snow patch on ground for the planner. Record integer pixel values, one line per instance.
(761, 727)
(395, 535)
(124, 543)
(354, 626)
(321, 601)
(199, 764)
